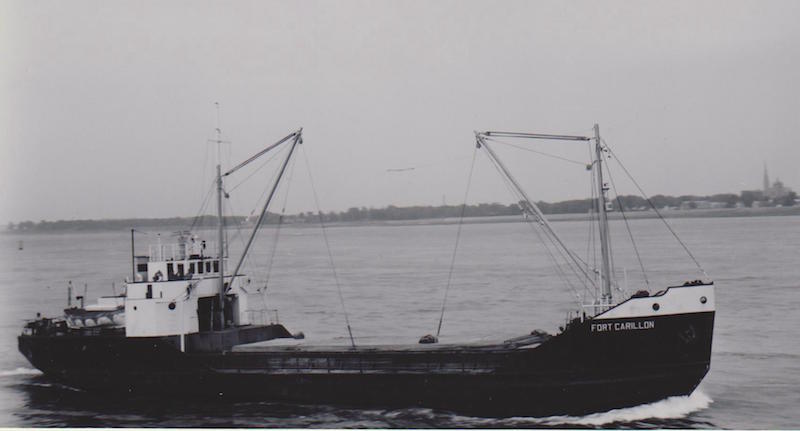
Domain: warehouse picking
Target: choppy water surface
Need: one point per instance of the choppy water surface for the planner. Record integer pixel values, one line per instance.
(393, 279)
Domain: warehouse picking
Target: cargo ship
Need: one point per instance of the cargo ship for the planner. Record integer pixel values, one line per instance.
(187, 326)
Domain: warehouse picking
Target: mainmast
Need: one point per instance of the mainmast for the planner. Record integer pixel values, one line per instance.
(221, 249)
(296, 138)
(605, 274)
(220, 226)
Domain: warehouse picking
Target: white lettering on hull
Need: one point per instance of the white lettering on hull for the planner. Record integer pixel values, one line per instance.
(623, 326)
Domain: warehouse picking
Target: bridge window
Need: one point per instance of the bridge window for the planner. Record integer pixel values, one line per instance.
(208, 266)
(191, 268)
(200, 267)
(142, 267)
(180, 270)
(216, 266)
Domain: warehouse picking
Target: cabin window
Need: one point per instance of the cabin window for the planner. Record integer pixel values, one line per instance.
(191, 268)
(200, 267)
(216, 266)
(142, 267)
(149, 294)
(208, 266)
(180, 270)
(170, 271)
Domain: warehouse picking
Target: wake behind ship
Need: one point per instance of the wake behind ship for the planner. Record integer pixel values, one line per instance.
(187, 326)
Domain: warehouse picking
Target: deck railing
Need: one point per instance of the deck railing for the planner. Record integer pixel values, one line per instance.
(179, 251)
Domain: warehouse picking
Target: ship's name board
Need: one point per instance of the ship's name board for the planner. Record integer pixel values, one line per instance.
(623, 326)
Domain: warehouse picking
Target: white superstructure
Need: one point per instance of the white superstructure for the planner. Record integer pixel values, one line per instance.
(176, 291)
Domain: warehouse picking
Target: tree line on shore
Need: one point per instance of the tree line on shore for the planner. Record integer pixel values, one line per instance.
(391, 212)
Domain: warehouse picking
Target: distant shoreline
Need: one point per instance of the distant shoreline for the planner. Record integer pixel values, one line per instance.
(90, 226)
(630, 215)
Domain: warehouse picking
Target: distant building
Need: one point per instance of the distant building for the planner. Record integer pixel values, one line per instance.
(775, 191)
(701, 205)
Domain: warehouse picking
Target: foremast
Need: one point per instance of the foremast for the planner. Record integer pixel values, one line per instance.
(605, 244)
(606, 269)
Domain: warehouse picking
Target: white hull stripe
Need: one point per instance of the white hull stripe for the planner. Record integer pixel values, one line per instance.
(676, 300)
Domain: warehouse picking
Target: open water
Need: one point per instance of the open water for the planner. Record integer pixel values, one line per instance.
(392, 280)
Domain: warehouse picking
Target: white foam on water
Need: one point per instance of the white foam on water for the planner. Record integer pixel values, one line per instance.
(670, 408)
(21, 371)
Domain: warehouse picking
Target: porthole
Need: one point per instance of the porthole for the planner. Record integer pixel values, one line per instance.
(171, 305)
(656, 306)
(134, 308)
(703, 300)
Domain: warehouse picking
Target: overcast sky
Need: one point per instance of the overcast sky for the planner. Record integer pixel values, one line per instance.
(107, 107)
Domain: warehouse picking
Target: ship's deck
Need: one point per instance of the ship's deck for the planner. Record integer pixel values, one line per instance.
(310, 346)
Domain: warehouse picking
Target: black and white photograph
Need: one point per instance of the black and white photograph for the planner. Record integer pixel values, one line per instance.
(400, 214)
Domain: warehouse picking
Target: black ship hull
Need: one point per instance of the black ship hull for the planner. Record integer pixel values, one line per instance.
(586, 368)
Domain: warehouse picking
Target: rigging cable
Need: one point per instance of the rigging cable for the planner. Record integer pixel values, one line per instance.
(551, 235)
(458, 238)
(199, 216)
(628, 227)
(685, 248)
(269, 159)
(278, 228)
(205, 165)
(535, 151)
(556, 265)
(559, 271)
(261, 196)
(238, 226)
(328, 247)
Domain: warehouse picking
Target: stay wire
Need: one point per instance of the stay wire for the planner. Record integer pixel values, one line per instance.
(559, 271)
(280, 223)
(551, 235)
(555, 245)
(205, 165)
(269, 159)
(558, 267)
(269, 184)
(203, 206)
(628, 228)
(535, 151)
(228, 204)
(328, 247)
(265, 193)
(674, 234)
(458, 238)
